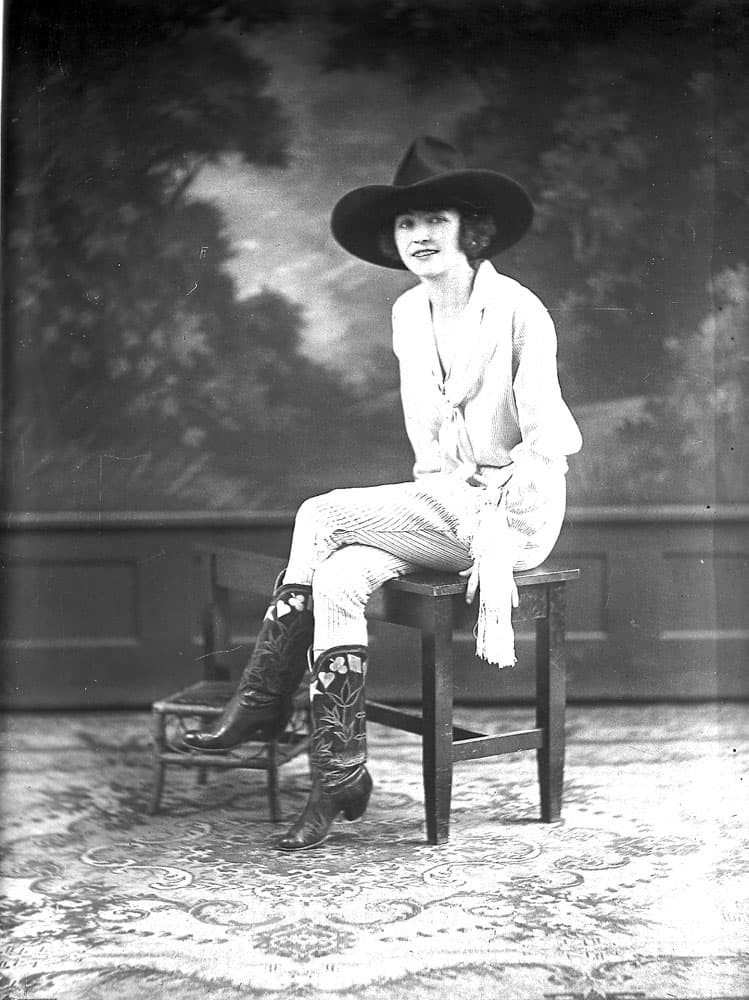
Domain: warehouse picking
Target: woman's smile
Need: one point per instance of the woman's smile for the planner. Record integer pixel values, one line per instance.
(429, 236)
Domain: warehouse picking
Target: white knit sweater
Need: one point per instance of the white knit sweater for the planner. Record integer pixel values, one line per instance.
(498, 413)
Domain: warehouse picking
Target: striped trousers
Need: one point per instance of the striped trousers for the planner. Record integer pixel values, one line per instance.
(348, 542)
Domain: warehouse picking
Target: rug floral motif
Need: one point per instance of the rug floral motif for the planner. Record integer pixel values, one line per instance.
(642, 891)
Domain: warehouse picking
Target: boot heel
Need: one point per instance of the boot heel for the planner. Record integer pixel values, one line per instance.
(355, 810)
(357, 806)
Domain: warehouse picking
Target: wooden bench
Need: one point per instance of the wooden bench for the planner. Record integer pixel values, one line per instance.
(434, 603)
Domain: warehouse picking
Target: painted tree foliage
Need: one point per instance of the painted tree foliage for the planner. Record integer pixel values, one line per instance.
(697, 432)
(134, 374)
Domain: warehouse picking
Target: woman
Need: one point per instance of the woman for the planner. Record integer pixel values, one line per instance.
(490, 434)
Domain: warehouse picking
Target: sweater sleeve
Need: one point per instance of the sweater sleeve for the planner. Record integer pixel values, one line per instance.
(548, 430)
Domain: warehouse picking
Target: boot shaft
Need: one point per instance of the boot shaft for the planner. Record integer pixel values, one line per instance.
(279, 660)
(337, 692)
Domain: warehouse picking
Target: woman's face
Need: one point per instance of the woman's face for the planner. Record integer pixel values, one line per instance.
(429, 241)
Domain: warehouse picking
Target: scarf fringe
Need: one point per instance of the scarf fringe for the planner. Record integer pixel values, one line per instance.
(495, 639)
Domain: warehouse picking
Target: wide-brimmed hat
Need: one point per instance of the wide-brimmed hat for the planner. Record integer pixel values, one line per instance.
(432, 174)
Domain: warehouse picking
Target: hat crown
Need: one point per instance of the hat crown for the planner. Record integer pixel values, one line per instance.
(425, 159)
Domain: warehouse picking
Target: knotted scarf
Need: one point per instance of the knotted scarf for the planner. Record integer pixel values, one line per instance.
(492, 540)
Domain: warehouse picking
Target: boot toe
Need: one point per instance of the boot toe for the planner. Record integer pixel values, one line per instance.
(289, 843)
(195, 740)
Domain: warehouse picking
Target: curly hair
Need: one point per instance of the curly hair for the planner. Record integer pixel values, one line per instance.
(475, 235)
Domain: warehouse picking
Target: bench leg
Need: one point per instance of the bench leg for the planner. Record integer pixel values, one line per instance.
(437, 709)
(550, 703)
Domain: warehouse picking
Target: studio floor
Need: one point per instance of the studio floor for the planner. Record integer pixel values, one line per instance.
(642, 891)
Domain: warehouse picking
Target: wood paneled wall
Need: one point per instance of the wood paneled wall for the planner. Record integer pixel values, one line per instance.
(105, 611)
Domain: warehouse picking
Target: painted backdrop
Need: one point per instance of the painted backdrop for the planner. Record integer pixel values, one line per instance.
(182, 332)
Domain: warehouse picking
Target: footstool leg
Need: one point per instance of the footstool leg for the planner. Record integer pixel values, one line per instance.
(159, 767)
(550, 702)
(274, 803)
(201, 778)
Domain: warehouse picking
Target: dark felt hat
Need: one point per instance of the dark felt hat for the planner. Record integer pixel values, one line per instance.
(432, 174)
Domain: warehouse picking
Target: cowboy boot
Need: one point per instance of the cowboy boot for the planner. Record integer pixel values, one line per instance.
(263, 701)
(341, 782)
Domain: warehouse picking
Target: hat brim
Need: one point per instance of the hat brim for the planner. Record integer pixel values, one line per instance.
(360, 216)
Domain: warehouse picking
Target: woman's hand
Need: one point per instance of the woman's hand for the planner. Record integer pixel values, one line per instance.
(473, 573)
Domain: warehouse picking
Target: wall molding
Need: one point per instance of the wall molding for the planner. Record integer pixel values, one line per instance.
(659, 611)
(161, 519)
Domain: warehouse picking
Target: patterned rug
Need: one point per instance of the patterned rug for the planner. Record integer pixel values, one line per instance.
(642, 891)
